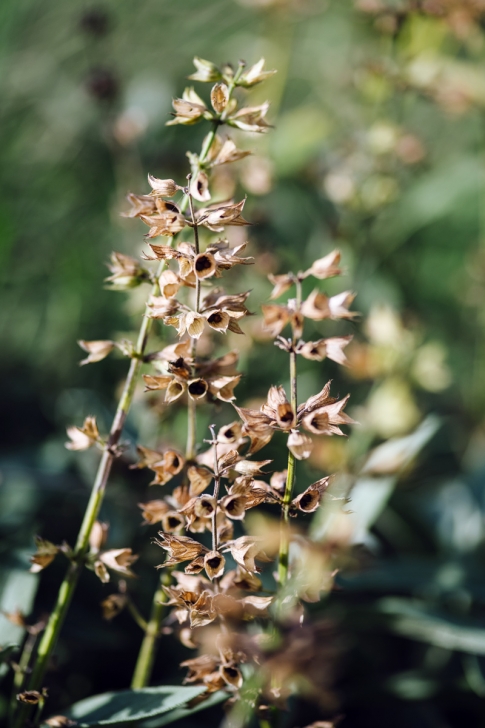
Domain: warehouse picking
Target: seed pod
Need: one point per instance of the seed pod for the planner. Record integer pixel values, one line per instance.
(214, 563)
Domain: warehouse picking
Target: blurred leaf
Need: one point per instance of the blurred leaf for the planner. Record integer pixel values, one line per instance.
(418, 623)
(396, 454)
(180, 713)
(131, 705)
(17, 591)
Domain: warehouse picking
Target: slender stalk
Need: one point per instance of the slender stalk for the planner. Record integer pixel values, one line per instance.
(22, 669)
(68, 586)
(290, 477)
(146, 656)
(133, 610)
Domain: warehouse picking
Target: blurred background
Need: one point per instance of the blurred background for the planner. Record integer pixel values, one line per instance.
(378, 149)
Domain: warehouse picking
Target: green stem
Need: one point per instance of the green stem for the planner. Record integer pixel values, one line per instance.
(146, 656)
(288, 495)
(291, 472)
(68, 586)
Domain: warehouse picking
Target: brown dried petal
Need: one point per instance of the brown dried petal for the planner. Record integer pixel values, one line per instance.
(275, 318)
(326, 267)
(214, 563)
(197, 389)
(98, 535)
(140, 205)
(309, 500)
(169, 284)
(300, 445)
(234, 506)
(97, 350)
(45, 555)
(204, 506)
(199, 187)
(218, 320)
(83, 437)
(179, 548)
(281, 283)
(156, 382)
(231, 675)
(113, 605)
(153, 511)
(219, 97)
(175, 389)
(194, 324)
(162, 187)
(119, 560)
(251, 467)
(199, 479)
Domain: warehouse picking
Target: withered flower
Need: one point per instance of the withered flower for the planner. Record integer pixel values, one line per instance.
(45, 554)
(162, 187)
(219, 97)
(255, 74)
(218, 216)
(98, 536)
(140, 205)
(318, 306)
(309, 500)
(199, 667)
(161, 307)
(169, 284)
(214, 563)
(118, 560)
(206, 71)
(83, 437)
(326, 267)
(167, 223)
(225, 152)
(331, 348)
(113, 605)
(260, 425)
(179, 548)
(275, 318)
(245, 550)
(251, 118)
(321, 414)
(97, 350)
(199, 186)
(31, 697)
(126, 272)
(281, 283)
(300, 445)
(153, 511)
(199, 479)
(165, 465)
(278, 409)
(189, 109)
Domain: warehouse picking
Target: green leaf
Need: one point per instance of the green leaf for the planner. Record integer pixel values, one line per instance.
(5, 655)
(17, 591)
(131, 705)
(182, 712)
(414, 620)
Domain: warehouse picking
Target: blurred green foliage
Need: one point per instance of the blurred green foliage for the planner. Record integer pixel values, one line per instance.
(379, 150)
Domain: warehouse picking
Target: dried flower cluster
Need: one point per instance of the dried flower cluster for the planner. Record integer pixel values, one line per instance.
(213, 570)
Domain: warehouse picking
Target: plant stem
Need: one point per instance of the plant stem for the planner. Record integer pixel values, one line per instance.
(146, 656)
(290, 477)
(68, 586)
